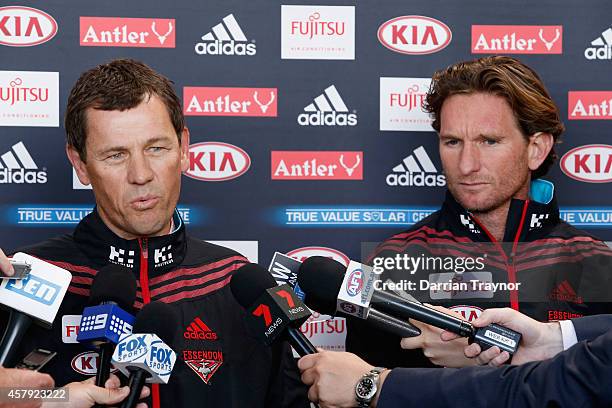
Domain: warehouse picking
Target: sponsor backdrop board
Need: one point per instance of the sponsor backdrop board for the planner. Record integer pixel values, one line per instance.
(305, 120)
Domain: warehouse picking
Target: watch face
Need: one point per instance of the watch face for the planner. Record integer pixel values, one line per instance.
(366, 388)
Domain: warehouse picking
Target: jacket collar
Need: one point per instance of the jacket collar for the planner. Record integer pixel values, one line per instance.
(103, 246)
(532, 219)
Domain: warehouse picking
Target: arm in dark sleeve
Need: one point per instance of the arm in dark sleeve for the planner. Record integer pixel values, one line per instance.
(286, 389)
(578, 377)
(589, 327)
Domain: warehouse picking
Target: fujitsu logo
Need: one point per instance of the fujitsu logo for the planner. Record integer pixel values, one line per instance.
(226, 38)
(18, 167)
(314, 27)
(601, 47)
(328, 109)
(15, 92)
(416, 170)
(412, 98)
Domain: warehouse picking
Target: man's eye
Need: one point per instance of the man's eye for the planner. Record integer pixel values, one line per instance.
(451, 142)
(156, 149)
(490, 142)
(116, 156)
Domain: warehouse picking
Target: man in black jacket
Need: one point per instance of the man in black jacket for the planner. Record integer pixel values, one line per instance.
(497, 127)
(127, 138)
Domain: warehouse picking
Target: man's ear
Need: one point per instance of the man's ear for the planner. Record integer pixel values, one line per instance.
(540, 144)
(78, 165)
(184, 149)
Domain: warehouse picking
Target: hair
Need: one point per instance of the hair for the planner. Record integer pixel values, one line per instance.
(509, 78)
(118, 85)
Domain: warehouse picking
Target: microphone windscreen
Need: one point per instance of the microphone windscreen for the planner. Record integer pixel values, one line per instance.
(157, 318)
(320, 279)
(249, 282)
(114, 283)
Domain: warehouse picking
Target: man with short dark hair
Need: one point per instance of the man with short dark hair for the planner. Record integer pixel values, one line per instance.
(127, 138)
(497, 128)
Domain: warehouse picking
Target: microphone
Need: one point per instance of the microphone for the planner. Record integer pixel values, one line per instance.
(36, 297)
(272, 311)
(145, 355)
(286, 268)
(352, 290)
(113, 291)
(321, 281)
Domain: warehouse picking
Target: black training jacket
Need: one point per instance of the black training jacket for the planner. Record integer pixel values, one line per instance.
(219, 364)
(562, 272)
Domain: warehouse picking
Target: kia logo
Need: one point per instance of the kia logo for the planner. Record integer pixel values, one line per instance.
(415, 35)
(590, 163)
(216, 161)
(25, 26)
(306, 252)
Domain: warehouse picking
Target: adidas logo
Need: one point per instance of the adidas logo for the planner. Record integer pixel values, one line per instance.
(20, 171)
(198, 330)
(416, 170)
(601, 47)
(565, 293)
(328, 109)
(226, 38)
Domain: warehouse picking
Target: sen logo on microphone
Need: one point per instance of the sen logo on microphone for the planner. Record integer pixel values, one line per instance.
(35, 288)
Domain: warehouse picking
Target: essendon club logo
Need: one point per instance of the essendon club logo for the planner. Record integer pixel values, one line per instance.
(589, 105)
(216, 161)
(217, 101)
(25, 26)
(517, 39)
(309, 165)
(590, 163)
(204, 363)
(127, 32)
(198, 330)
(414, 35)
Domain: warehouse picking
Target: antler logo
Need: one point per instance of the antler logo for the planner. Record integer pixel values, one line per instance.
(350, 170)
(162, 38)
(264, 106)
(549, 44)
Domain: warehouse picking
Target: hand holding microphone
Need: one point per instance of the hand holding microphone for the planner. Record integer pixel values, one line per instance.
(352, 291)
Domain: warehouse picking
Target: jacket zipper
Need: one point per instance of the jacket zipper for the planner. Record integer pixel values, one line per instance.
(509, 261)
(146, 298)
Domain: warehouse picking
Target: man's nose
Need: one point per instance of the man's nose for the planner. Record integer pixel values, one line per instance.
(469, 159)
(140, 171)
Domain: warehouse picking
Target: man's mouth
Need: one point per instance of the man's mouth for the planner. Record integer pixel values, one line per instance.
(144, 202)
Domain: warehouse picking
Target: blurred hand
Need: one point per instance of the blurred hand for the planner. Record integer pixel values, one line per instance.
(5, 265)
(17, 378)
(446, 353)
(539, 340)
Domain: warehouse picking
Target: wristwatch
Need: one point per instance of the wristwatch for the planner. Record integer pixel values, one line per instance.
(366, 387)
